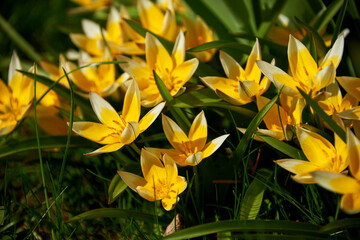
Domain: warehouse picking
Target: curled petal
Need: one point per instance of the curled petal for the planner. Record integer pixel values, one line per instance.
(324, 77)
(351, 85)
(130, 133)
(194, 159)
(350, 203)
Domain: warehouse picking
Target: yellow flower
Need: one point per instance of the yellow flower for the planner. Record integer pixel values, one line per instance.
(173, 70)
(340, 183)
(241, 86)
(306, 74)
(99, 79)
(198, 33)
(335, 103)
(116, 36)
(191, 149)
(178, 5)
(322, 155)
(116, 130)
(280, 119)
(153, 19)
(16, 98)
(160, 181)
(93, 4)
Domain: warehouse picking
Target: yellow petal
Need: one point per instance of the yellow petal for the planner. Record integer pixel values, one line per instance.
(179, 186)
(334, 55)
(13, 74)
(213, 145)
(7, 127)
(106, 149)
(157, 57)
(130, 133)
(174, 133)
(151, 16)
(132, 105)
(232, 68)
(351, 85)
(150, 117)
(248, 90)
(96, 132)
(302, 64)
(324, 77)
(178, 53)
(198, 131)
(131, 180)
(169, 28)
(233, 100)
(317, 149)
(297, 166)
(350, 203)
(105, 112)
(147, 161)
(182, 73)
(272, 118)
(252, 72)
(194, 159)
(170, 168)
(353, 113)
(4, 96)
(353, 147)
(336, 182)
(275, 134)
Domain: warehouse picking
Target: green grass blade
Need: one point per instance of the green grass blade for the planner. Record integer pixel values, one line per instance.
(115, 213)
(282, 146)
(219, 44)
(339, 22)
(19, 40)
(338, 225)
(178, 114)
(328, 14)
(48, 142)
(247, 226)
(251, 130)
(116, 187)
(250, 205)
(318, 110)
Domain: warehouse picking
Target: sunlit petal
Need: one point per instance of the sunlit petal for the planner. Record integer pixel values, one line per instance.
(324, 77)
(130, 132)
(198, 131)
(353, 148)
(96, 132)
(351, 85)
(212, 146)
(157, 57)
(132, 105)
(334, 55)
(336, 182)
(174, 133)
(147, 161)
(350, 203)
(178, 53)
(297, 166)
(232, 68)
(106, 149)
(131, 180)
(252, 72)
(150, 117)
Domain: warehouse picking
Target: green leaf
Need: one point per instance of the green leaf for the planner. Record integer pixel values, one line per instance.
(180, 117)
(318, 110)
(219, 44)
(282, 147)
(115, 213)
(250, 205)
(116, 187)
(251, 130)
(46, 143)
(340, 225)
(250, 227)
(339, 22)
(328, 14)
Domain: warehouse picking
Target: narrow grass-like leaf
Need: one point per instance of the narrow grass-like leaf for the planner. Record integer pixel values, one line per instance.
(318, 110)
(115, 213)
(251, 130)
(48, 142)
(328, 14)
(19, 40)
(250, 205)
(116, 187)
(338, 225)
(282, 146)
(248, 226)
(339, 22)
(313, 47)
(178, 114)
(219, 44)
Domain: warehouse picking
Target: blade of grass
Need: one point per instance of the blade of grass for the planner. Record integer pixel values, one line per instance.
(116, 187)
(335, 226)
(219, 44)
(318, 110)
(328, 14)
(339, 22)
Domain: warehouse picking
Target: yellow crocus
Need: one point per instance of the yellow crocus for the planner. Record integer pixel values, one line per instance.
(153, 19)
(322, 155)
(16, 98)
(93, 5)
(173, 70)
(241, 86)
(306, 74)
(178, 5)
(160, 182)
(116, 130)
(198, 33)
(191, 149)
(115, 35)
(340, 183)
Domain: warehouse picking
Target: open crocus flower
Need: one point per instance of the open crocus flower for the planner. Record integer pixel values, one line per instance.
(115, 35)
(16, 98)
(340, 183)
(241, 86)
(280, 119)
(306, 74)
(322, 155)
(198, 33)
(160, 182)
(153, 19)
(99, 79)
(173, 70)
(191, 149)
(116, 130)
